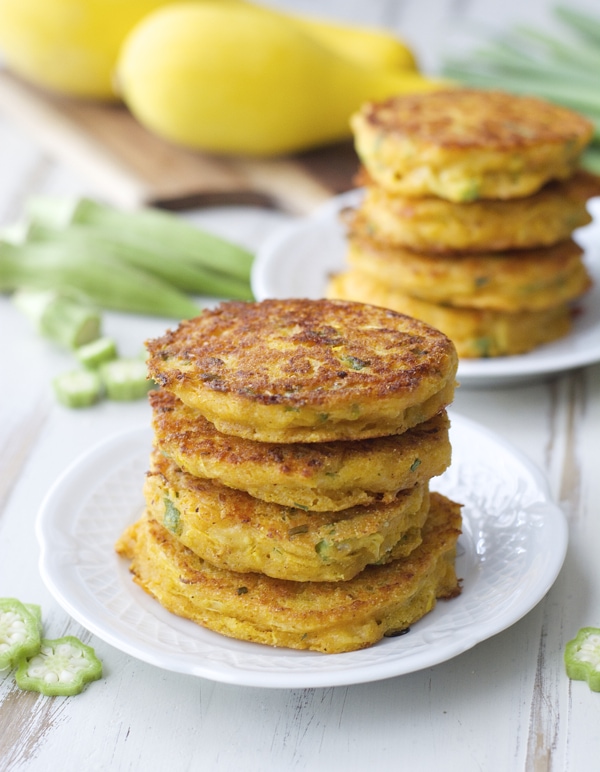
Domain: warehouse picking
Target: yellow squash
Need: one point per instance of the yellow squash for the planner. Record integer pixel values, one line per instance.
(68, 46)
(71, 46)
(225, 78)
(366, 45)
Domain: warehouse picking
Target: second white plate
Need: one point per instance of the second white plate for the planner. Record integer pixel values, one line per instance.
(298, 260)
(512, 547)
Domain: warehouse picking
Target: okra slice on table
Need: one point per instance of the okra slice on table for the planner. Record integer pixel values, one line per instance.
(125, 379)
(582, 657)
(20, 626)
(36, 613)
(78, 388)
(62, 667)
(96, 353)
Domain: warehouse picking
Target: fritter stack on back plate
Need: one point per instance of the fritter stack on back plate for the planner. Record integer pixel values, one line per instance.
(471, 199)
(288, 500)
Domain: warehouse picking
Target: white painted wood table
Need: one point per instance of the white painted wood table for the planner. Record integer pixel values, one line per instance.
(505, 704)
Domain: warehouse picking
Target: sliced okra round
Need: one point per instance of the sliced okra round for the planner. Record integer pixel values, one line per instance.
(582, 657)
(19, 631)
(61, 667)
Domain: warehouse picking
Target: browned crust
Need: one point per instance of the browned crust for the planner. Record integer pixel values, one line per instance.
(183, 433)
(467, 119)
(300, 352)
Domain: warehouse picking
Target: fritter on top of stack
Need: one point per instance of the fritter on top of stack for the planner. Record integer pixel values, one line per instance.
(288, 497)
(471, 199)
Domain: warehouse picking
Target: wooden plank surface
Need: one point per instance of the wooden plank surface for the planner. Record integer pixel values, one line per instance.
(132, 167)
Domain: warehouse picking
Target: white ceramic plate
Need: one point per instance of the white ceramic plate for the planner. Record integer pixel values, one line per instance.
(297, 261)
(511, 550)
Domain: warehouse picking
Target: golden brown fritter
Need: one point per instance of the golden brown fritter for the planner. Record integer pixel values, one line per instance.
(519, 280)
(322, 616)
(437, 225)
(323, 476)
(475, 332)
(235, 531)
(467, 144)
(303, 370)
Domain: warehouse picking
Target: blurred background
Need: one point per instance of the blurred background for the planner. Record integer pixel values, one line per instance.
(127, 161)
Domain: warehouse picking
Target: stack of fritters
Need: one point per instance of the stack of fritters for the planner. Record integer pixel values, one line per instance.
(471, 199)
(288, 497)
